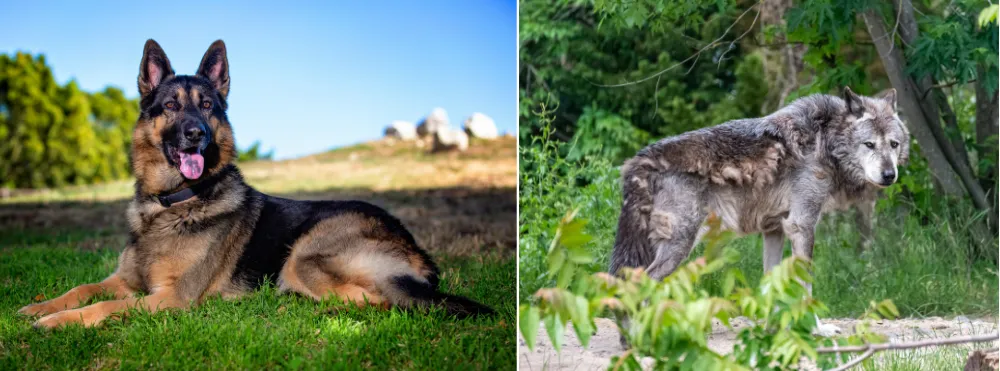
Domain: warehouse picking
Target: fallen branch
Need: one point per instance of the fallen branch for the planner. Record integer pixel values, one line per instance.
(854, 362)
(870, 349)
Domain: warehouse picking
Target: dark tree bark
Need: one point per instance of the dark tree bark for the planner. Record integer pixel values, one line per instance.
(986, 142)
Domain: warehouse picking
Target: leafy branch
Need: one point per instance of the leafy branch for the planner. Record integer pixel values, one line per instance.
(671, 319)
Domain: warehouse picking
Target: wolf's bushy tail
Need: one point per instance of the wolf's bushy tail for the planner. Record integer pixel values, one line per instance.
(632, 245)
(420, 293)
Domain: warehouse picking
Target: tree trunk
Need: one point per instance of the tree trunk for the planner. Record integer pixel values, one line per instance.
(951, 129)
(908, 34)
(787, 61)
(909, 100)
(983, 360)
(986, 141)
(926, 96)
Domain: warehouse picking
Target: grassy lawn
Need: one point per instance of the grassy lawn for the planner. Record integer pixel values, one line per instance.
(262, 330)
(53, 240)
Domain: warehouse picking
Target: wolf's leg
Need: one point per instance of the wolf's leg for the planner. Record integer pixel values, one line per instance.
(800, 227)
(675, 222)
(76, 296)
(774, 246)
(673, 236)
(863, 220)
(96, 313)
(670, 251)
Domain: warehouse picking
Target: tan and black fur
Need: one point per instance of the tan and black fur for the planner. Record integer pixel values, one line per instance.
(227, 238)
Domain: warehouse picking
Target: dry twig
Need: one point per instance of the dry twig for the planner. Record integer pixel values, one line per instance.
(870, 349)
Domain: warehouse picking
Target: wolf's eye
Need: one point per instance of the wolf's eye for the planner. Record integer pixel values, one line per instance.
(894, 144)
(870, 145)
(206, 104)
(171, 106)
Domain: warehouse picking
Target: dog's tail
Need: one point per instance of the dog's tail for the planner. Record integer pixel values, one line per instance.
(420, 293)
(632, 246)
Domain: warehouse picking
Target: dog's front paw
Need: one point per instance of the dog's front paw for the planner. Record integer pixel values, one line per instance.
(59, 319)
(826, 330)
(38, 309)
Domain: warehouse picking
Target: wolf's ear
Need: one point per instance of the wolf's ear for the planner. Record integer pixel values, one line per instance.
(853, 102)
(215, 67)
(154, 68)
(888, 95)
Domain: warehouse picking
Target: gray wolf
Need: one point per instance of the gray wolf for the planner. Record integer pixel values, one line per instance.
(774, 175)
(198, 230)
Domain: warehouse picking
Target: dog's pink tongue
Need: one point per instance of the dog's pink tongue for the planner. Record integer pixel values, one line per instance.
(192, 164)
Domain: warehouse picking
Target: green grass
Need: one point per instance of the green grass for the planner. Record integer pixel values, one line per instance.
(263, 330)
(927, 265)
(460, 207)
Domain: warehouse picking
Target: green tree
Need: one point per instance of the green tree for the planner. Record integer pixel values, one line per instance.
(253, 153)
(620, 85)
(53, 135)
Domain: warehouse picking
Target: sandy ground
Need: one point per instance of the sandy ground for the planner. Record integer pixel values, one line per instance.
(604, 344)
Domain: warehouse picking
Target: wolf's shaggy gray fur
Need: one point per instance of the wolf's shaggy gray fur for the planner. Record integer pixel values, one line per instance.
(774, 175)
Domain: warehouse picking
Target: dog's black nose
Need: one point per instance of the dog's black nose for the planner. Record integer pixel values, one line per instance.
(888, 176)
(194, 133)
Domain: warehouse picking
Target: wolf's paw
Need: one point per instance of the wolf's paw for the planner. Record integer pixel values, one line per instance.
(826, 330)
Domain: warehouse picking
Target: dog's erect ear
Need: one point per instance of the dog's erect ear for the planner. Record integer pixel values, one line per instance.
(888, 95)
(215, 67)
(853, 102)
(155, 67)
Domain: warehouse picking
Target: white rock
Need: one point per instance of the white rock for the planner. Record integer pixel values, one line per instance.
(447, 139)
(481, 126)
(437, 119)
(404, 130)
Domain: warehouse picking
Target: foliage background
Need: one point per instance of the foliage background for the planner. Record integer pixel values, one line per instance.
(54, 135)
(601, 79)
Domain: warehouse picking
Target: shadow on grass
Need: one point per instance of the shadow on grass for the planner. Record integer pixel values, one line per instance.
(449, 221)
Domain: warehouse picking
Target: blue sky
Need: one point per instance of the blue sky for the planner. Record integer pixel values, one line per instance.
(307, 76)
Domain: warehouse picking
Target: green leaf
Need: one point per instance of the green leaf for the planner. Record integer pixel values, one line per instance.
(555, 328)
(572, 234)
(582, 321)
(988, 15)
(579, 255)
(556, 259)
(565, 276)
(529, 319)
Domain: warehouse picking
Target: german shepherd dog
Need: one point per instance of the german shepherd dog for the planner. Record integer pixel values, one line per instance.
(198, 230)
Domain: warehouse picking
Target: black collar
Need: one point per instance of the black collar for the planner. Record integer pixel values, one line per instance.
(187, 193)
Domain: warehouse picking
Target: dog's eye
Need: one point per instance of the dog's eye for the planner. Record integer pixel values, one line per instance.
(206, 104)
(894, 144)
(171, 106)
(870, 145)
